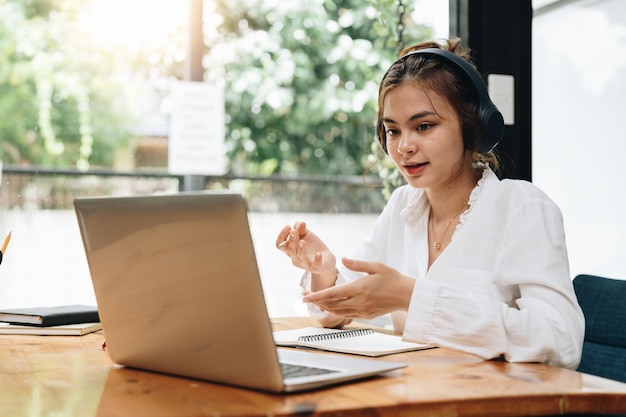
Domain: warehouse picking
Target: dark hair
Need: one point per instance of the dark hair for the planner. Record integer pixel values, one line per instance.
(436, 75)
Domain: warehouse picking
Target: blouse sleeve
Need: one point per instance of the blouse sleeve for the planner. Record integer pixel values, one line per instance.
(462, 307)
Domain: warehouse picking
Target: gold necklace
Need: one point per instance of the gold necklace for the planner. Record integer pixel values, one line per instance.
(437, 245)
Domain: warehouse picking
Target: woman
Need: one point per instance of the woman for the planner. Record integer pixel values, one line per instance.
(459, 258)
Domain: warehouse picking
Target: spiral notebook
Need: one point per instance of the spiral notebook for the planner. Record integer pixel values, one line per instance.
(366, 342)
(179, 292)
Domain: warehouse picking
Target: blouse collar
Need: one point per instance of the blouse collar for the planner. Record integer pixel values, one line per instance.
(419, 206)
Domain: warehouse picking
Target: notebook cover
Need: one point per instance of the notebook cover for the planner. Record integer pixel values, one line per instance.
(51, 316)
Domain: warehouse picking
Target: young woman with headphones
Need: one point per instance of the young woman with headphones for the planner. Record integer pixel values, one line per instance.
(458, 257)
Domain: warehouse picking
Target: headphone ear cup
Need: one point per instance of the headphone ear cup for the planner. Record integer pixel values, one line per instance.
(493, 128)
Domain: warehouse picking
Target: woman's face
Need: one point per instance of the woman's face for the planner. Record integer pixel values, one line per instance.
(424, 136)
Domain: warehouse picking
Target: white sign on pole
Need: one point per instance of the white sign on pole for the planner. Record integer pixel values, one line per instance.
(196, 139)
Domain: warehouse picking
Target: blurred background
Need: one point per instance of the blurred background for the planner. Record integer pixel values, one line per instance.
(87, 108)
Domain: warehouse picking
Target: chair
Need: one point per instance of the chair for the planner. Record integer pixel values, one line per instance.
(603, 301)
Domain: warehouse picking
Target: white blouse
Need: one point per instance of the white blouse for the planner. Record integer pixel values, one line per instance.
(500, 288)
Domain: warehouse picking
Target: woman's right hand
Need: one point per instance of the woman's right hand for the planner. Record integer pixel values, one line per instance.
(307, 251)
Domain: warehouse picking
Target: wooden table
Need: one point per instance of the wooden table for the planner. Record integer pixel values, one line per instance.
(72, 376)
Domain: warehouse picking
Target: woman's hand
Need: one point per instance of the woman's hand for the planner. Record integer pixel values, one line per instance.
(382, 291)
(307, 251)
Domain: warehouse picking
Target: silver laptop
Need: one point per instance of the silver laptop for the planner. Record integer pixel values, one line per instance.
(179, 292)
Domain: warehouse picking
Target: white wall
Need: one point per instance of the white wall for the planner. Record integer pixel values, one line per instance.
(579, 144)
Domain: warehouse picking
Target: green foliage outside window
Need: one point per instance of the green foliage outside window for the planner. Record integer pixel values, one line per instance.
(61, 103)
(301, 81)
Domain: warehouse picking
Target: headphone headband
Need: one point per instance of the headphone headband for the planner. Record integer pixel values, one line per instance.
(491, 119)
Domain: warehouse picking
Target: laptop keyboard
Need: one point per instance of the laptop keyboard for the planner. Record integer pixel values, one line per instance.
(291, 370)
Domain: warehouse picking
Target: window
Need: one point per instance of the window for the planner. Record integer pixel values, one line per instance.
(579, 102)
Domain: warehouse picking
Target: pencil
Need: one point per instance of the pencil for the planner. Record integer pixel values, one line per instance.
(6, 242)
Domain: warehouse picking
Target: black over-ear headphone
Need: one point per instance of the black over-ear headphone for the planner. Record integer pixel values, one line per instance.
(491, 119)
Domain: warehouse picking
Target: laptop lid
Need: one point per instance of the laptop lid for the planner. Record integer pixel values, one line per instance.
(179, 292)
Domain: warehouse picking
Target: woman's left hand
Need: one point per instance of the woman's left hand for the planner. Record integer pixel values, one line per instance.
(382, 291)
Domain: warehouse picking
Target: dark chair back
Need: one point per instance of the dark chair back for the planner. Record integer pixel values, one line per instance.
(603, 301)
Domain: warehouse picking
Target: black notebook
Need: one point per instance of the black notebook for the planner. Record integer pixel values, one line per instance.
(50, 316)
